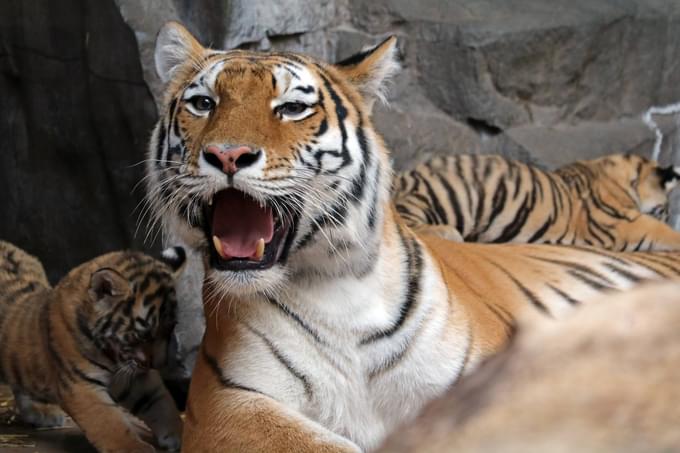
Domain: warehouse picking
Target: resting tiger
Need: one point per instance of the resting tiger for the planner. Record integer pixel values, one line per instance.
(328, 321)
(617, 202)
(89, 342)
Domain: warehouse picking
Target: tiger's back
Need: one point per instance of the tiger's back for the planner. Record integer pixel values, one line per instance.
(617, 202)
(20, 273)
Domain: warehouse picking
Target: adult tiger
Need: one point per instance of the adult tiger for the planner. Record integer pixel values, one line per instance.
(328, 321)
(617, 202)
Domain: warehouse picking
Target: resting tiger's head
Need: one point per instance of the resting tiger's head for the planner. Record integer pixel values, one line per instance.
(646, 182)
(267, 162)
(128, 307)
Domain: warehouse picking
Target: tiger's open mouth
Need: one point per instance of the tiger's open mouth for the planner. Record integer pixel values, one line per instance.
(244, 234)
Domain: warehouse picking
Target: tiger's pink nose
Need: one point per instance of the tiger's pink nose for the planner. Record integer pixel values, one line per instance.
(230, 160)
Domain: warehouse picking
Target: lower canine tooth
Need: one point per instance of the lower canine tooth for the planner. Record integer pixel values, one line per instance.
(259, 252)
(218, 246)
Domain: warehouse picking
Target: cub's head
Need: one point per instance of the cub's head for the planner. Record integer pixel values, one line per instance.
(643, 179)
(265, 160)
(129, 305)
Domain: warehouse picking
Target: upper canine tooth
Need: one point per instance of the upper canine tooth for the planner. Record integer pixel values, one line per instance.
(259, 252)
(218, 246)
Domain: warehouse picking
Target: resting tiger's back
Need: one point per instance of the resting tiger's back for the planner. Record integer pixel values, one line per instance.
(617, 202)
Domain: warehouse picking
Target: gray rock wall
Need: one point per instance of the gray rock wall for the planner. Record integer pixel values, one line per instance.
(76, 119)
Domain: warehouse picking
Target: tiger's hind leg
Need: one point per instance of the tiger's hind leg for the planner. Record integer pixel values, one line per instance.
(38, 414)
(148, 399)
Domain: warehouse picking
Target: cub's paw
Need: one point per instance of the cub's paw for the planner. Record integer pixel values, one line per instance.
(170, 442)
(38, 414)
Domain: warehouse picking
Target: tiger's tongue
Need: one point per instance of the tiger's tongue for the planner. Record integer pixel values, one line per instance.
(239, 222)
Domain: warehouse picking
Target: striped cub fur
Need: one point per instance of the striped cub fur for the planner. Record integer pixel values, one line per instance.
(89, 344)
(617, 202)
(329, 323)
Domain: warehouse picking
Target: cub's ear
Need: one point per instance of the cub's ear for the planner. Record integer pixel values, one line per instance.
(670, 176)
(175, 257)
(106, 285)
(175, 46)
(370, 69)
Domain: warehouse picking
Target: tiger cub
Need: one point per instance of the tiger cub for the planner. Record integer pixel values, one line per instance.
(88, 344)
(617, 202)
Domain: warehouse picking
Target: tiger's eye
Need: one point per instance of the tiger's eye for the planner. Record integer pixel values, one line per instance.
(291, 108)
(202, 103)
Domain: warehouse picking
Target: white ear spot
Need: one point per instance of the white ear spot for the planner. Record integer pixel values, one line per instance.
(670, 184)
(174, 47)
(175, 257)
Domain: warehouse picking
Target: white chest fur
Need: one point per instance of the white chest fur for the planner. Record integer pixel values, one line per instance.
(308, 349)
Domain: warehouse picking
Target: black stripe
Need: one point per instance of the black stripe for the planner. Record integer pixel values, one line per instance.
(453, 199)
(513, 228)
(541, 231)
(390, 362)
(442, 218)
(288, 312)
(24, 290)
(497, 205)
(640, 258)
(160, 145)
(305, 89)
(509, 324)
(564, 295)
(526, 291)
(576, 267)
(225, 381)
(585, 278)
(284, 361)
(414, 268)
(624, 273)
(78, 372)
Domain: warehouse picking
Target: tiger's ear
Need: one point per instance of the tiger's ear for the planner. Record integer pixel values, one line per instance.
(370, 69)
(176, 258)
(107, 285)
(175, 46)
(670, 176)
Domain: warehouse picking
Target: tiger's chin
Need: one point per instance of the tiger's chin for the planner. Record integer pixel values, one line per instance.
(248, 243)
(220, 283)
